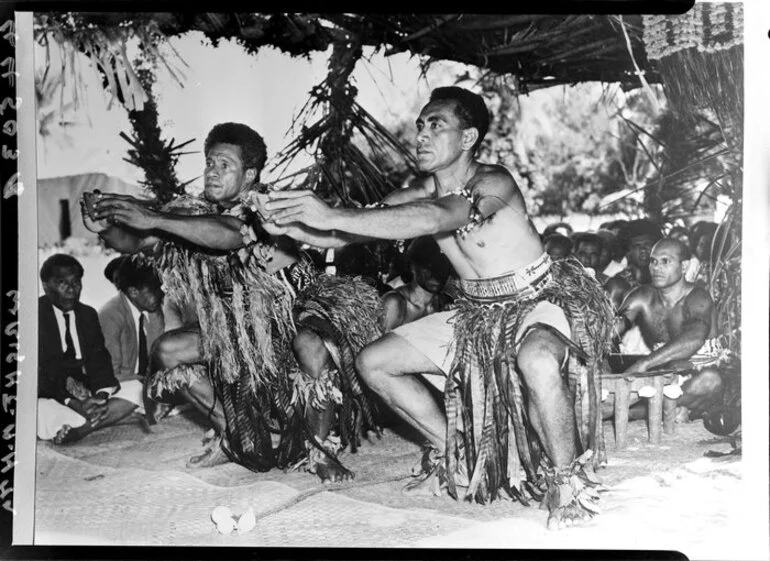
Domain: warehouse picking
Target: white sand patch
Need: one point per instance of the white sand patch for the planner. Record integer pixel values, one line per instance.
(692, 509)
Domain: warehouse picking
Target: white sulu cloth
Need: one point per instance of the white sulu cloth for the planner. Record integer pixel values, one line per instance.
(433, 335)
(131, 390)
(52, 415)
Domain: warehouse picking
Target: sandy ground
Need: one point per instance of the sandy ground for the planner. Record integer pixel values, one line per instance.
(126, 486)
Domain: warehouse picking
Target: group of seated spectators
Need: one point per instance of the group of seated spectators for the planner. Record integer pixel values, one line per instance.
(94, 365)
(92, 369)
(606, 250)
(658, 285)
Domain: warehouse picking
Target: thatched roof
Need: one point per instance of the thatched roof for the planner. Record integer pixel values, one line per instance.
(540, 50)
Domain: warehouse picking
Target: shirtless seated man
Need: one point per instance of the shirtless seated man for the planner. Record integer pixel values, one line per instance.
(511, 329)
(429, 270)
(677, 321)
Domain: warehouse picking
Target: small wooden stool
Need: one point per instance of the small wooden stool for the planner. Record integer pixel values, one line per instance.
(661, 410)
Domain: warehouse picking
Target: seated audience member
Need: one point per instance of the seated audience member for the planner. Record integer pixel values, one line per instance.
(557, 246)
(111, 270)
(558, 228)
(132, 320)
(587, 248)
(637, 238)
(683, 235)
(397, 270)
(77, 390)
(612, 259)
(430, 270)
(708, 244)
(614, 226)
(358, 260)
(677, 321)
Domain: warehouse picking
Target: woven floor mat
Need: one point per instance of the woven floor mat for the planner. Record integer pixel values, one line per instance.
(131, 506)
(77, 502)
(130, 433)
(328, 519)
(137, 491)
(50, 463)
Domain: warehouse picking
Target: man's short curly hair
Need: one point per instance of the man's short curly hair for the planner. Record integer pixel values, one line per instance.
(469, 108)
(62, 261)
(251, 143)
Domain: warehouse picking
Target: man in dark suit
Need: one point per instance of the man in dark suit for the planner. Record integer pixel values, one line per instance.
(77, 390)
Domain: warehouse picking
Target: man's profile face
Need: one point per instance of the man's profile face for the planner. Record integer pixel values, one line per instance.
(63, 288)
(639, 250)
(666, 265)
(147, 299)
(588, 253)
(439, 136)
(224, 177)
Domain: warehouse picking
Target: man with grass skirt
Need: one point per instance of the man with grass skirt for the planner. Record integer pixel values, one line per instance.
(520, 357)
(270, 358)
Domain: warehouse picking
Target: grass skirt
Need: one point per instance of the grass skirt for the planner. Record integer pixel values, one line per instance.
(248, 319)
(487, 424)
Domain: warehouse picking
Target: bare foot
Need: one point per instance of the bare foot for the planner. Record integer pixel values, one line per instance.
(331, 471)
(208, 436)
(67, 434)
(425, 485)
(572, 514)
(430, 477)
(572, 495)
(214, 455)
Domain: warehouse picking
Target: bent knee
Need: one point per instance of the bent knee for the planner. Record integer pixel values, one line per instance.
(164, 348)
(306, 341)
(370, 364)
(310, 351)
(540, 357)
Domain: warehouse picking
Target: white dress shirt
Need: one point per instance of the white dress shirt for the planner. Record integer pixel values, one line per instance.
(136, 313)
(63, 330)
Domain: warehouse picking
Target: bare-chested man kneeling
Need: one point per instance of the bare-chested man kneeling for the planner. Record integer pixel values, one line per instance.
(677, 321)
(509, 336)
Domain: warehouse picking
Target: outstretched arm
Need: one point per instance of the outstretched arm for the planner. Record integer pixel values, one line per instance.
(315, 237)
(210, 230)
(402, 221)
(303, 234)
(116, 237)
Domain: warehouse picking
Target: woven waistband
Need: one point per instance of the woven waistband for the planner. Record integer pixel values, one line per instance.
(526, 282)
